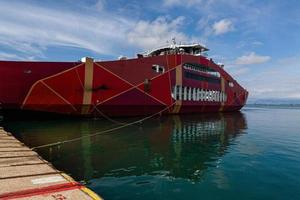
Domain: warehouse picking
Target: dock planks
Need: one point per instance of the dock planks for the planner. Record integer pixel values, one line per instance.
(25, 175)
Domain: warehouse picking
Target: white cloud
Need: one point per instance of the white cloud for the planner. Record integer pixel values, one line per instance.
(238, 71)
(257, 43)
(170, 3)
(199, 4)
(281, 89)
(251, 58)
(249, 43)
(31, 29)
(222, 26)
(9, 56)
(150, 34)
(100, 5)
(275, 81)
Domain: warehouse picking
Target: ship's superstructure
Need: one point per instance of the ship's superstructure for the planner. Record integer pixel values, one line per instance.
(172, 79)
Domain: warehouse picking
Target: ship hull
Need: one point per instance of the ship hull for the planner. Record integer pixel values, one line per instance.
(132, 87)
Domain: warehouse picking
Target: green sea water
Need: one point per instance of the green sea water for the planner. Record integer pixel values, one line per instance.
(252, 154)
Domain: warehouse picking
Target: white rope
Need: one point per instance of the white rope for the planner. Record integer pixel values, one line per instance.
(106, 117)
(102, 132)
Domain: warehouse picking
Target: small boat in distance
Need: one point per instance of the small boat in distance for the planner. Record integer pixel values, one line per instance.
(173, 79)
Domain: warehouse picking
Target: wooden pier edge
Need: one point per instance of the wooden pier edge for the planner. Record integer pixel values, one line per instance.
(25, 175)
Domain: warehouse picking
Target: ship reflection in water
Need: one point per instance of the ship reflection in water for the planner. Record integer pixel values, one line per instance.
(169, 147)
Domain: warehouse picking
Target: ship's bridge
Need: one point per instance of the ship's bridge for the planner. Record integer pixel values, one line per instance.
(189, 49)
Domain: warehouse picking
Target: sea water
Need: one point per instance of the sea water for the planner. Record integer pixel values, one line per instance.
(252, 154)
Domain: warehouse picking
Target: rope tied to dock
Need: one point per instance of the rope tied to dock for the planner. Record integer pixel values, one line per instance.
(105, 131)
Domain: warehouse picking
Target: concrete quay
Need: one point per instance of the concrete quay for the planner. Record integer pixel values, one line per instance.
(25, 175)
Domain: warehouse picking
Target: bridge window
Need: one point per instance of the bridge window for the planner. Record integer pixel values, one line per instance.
(201, 68)
(198, 77)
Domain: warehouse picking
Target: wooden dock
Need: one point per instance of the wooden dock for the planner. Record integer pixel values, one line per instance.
(25, 175)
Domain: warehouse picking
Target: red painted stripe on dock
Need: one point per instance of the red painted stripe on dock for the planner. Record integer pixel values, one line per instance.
(41, 191)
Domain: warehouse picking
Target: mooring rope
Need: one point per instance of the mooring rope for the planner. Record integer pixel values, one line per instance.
(105, 131)
(106, 117)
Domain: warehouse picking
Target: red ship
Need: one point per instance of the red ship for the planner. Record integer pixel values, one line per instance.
(171, 80)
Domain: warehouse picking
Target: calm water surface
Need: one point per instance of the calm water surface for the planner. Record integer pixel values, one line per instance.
(253, 154)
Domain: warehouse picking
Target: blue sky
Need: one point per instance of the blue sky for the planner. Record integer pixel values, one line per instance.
(257, 40)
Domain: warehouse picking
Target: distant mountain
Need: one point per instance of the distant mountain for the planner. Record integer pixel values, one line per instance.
(272, 101)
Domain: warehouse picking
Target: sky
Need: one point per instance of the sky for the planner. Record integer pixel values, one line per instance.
(257, 40)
